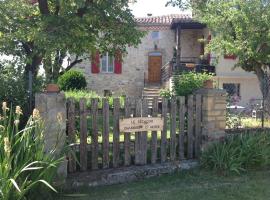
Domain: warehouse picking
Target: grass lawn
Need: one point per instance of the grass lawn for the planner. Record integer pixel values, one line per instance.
(185, 186)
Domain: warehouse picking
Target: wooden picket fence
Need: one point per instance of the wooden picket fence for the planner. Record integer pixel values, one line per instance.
(93, 131)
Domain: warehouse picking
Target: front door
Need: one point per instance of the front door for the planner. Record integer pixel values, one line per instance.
(154, 69)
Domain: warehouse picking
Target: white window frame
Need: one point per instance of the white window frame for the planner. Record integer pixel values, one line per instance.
(107, 64)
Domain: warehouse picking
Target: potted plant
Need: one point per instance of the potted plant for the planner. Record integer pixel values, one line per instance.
(208, 84)
(52, 88)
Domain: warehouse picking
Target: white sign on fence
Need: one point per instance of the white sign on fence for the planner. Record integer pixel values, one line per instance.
(138, 124)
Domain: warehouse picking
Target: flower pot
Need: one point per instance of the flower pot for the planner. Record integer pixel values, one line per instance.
(208, 84)
(52, 88)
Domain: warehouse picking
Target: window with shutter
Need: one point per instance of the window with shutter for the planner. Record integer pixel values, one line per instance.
(107, 63)
(95, 63)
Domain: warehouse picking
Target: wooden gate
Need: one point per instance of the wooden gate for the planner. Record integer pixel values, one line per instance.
(93, 131)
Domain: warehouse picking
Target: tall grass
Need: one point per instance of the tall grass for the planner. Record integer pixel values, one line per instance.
(238, 153)
(25, 168)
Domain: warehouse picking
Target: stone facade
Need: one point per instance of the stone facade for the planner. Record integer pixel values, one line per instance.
(135, 63)
(213, 115)
(52, 108)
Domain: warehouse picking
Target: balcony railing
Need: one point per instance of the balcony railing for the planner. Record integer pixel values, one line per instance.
(193, 64)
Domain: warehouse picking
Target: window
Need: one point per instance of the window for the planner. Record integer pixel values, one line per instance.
(107, 63)
(233, 89)
(155, 35)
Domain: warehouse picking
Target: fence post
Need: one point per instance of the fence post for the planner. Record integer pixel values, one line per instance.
(213, 115)
(52, 108)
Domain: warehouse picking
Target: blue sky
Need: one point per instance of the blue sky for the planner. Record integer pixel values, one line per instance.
(155, 7)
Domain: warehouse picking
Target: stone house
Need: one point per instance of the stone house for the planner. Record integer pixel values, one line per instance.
(172, 41)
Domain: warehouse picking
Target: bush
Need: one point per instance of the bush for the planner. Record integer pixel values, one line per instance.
(88, 95)
(186, 83)
(72, 80)
(25, 168)
(238, 153)
(165, 93)
(233, 121)
(14, 86)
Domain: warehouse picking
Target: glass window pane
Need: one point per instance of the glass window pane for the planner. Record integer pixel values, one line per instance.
(104, 63)
(111, 64)
(232, 89)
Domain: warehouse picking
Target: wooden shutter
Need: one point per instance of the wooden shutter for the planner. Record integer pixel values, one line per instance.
(118, 62)
(95, 63)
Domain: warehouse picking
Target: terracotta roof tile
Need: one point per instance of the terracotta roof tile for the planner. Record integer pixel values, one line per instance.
(163, 20)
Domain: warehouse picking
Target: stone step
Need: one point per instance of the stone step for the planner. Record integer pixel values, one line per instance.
(151, 95)
(151, 92)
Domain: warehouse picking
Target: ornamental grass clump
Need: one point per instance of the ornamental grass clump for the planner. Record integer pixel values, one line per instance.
(25, 169)
(238, 153)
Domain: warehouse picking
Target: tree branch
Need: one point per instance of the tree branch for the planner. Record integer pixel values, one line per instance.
(82, 11)
(57, 7)
(72, 64)
(43, 7)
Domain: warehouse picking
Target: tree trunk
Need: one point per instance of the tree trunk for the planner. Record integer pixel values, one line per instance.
(264, 81)
(32, 67)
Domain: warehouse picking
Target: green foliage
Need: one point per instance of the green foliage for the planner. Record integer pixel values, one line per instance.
(233, 120)
(186, 83)
(25, 168)
(13, 87)
(50, 30)
(165, 93)
(238, 153)
(79, 94)
(72, 80)
(88, 95)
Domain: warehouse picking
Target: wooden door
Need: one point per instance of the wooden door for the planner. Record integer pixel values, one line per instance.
(154, 69)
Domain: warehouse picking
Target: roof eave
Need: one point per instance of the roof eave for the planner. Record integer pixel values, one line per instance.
(188, 25)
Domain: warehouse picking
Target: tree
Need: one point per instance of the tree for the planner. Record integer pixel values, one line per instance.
(46, 31)
(240, 28)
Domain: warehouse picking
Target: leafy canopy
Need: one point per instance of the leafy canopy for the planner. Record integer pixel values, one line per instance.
(38, 30)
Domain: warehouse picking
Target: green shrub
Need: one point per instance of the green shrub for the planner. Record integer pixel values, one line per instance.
(72, 80)
(14, 86)
(88, 95)
(233, 121)
(186, 83)
(238, 153)
(165, 93)
(25, 168)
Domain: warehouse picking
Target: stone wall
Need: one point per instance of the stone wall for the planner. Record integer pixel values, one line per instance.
(52, 108)
(213, 115)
